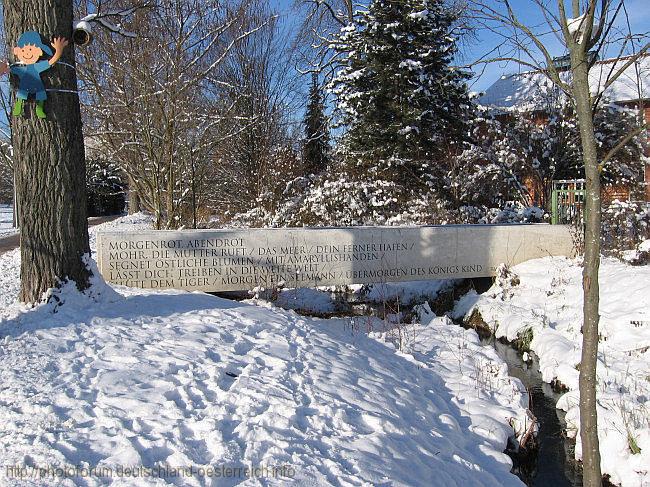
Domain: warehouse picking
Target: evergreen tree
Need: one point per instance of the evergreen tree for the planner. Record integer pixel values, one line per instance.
(316, 149)
(403, 104)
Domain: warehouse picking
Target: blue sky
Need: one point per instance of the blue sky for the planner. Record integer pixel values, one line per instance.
(638, 10)
(639, 17)
(529, 14)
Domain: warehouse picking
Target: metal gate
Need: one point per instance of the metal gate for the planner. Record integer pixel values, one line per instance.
(568, 201)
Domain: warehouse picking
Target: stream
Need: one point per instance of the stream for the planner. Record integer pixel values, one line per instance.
(553, 463)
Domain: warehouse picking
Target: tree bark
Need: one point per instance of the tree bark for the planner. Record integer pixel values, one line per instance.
(49, 161)
(134, 198)
(587, 382)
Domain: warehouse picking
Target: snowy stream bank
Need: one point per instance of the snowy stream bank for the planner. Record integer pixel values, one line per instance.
(539, 305)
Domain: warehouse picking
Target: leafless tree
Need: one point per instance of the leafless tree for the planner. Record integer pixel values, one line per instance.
(320, 20)
(588, 28)
(153, 98)
(49, 161)
(255, 163)
(6, 149)
(6, 170)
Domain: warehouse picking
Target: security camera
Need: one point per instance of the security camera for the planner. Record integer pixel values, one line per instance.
(82, 33)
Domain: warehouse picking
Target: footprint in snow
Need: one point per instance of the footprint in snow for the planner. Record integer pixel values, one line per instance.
(242, 347)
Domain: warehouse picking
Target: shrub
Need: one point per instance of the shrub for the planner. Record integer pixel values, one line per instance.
(625, 226)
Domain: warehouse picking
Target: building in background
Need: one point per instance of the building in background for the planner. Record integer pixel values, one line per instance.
(531, 92)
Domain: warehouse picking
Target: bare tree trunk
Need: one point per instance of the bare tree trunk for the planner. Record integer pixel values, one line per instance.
(134, 198)
(49, 162)
(587, 383)
(16, 221)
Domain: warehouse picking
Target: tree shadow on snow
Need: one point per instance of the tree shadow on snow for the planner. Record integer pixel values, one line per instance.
(80, 310)
(422, 437)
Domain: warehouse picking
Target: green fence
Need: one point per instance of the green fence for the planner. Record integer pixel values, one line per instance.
(568, 201)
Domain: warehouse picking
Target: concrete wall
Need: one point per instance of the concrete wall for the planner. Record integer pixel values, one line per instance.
(242, 259)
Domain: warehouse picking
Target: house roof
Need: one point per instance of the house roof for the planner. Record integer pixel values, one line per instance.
(527, 91)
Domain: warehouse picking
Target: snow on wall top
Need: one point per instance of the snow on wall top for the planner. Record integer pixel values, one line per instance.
(525, 91)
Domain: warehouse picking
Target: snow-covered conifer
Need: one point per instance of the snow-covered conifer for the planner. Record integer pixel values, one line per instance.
(402, 103)
(316, 148)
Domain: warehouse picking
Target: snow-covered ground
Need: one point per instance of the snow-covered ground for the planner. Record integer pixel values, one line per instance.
(6, 220)
(146, 379)
(548, 302)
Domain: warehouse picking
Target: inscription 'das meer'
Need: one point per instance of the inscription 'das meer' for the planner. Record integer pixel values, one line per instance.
(228, 260)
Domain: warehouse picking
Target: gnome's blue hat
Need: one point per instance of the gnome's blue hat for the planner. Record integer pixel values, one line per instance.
(34, 39)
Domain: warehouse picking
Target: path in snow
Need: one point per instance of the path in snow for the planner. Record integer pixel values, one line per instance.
(147, 378)
(11, 240)
(190, 379)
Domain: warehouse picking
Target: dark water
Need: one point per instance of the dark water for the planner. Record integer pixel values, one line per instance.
(553, 463)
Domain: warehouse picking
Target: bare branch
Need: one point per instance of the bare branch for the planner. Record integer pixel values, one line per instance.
(631, 60)
(622, 143)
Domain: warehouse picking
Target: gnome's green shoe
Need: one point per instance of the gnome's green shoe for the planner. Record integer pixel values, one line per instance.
(40, 110)
(18, 108)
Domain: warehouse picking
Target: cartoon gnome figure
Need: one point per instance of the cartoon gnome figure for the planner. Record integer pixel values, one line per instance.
(29, 50)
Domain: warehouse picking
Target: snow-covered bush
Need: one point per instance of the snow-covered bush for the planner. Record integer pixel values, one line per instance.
(516, 156)
(625, 226)
(491, 170)
(510, 212)
(341, 202)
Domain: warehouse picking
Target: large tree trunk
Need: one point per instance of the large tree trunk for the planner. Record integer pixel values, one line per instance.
(49, 161)
(587, 383)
